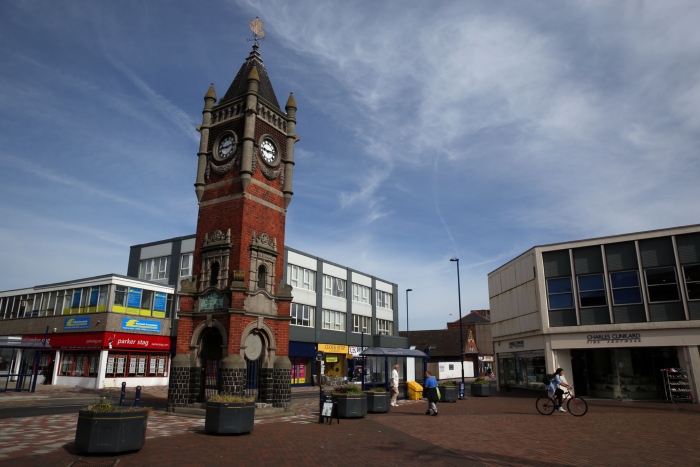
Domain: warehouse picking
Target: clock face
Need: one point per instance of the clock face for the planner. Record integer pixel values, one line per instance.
(226, 146)
(268, 151)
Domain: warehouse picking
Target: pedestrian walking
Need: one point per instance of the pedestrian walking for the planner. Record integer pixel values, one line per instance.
(431, 393)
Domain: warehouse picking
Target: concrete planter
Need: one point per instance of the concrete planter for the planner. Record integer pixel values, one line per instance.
(378, 402)
(449, 393)
(229, 417)
(351, 405)
(110, 432)
(481, 390)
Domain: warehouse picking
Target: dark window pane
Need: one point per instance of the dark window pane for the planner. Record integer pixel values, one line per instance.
(661, 276)
(663, 293)
(694, 291)
(560, 301)
(624, 279)
(562, 285)
(596, 298)
(626, 296)
(692, 273)
(591, 282)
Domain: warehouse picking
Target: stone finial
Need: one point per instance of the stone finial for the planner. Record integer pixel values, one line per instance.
(211, 93)
(291, 103)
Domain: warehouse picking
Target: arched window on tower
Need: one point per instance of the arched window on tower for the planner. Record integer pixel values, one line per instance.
(262, 276)
(214, 275)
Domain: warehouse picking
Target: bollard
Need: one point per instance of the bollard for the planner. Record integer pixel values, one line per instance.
(121, 398)
(137, 398)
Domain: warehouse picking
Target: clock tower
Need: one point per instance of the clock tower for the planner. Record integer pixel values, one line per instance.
(233, 329)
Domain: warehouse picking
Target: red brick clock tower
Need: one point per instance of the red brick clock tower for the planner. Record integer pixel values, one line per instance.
(233, 332)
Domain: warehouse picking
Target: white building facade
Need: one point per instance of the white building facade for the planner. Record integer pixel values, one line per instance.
(613, 312)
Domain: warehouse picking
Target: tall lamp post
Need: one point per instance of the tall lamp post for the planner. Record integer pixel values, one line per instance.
(408, 344)
(461, 338)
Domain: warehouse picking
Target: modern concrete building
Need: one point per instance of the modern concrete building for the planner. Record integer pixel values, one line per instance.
(102, 331)
(612, 312)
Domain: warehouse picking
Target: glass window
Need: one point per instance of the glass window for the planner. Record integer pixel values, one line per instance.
(302, 315)
(301, 278)
(625, 288)
(591, 290)
(146, 269)
(186, 265)
(692, 281)
(334, 320)
(662, 285)
(361, 324)
(384, 299)
(79, 364)
(120, 295)
(559, 293)
(334, 286)
(154, 268)
(361, 293)
(384, 327)
(162, 268)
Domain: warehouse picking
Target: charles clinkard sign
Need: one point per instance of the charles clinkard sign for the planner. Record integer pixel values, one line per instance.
(620, 338)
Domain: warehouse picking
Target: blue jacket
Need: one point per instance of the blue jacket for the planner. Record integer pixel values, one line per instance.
(554, 384)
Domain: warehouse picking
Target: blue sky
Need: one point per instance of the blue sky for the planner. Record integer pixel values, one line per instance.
(428, 130)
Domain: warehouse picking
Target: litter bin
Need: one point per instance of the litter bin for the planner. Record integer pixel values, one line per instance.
(415, 391)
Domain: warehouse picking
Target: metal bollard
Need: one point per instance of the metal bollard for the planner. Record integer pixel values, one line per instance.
(137, 398)
(121, 398)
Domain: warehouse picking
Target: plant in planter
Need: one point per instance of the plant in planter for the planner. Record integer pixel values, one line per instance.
(449, 391)
(229, 414)
(377, 400)
(480, 387)
(350, 400)
(105, 428)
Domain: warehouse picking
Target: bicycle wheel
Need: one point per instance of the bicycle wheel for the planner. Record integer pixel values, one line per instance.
(545, 406)
(577, 407)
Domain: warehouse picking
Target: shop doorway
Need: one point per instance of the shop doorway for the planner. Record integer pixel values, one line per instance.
(210, 352)
(623, 373)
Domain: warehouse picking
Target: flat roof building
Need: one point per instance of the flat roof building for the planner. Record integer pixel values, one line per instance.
(613, 312)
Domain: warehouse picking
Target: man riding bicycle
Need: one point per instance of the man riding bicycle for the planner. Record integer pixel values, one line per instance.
(554, 389)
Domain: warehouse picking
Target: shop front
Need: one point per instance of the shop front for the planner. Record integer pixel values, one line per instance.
(334, 362)
(302, 356)
(616, 365)
(105, 359)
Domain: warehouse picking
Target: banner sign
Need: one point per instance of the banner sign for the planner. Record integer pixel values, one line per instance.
(103, 340)
(333, 348)
(76, 323)
(76, 299)
(134, 298)
(134, 324)
(94, 293)
(159, 301)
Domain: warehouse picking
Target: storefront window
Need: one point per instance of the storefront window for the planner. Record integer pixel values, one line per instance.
(525, 369)
(136, 365)
(79, 364)
(626, 373)
(301, 370)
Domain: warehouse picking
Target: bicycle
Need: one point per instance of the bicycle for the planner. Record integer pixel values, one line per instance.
(576, 405)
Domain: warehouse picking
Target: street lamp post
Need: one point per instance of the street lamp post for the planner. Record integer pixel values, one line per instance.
(461, 337)
(408, 344)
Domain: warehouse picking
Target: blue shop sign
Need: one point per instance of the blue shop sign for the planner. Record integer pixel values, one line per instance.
(134, 324)
(76, 323)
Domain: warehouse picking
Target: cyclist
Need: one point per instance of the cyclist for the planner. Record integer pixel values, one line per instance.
(554, 389)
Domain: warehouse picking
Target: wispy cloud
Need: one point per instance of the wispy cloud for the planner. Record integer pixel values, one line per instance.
(169, 110)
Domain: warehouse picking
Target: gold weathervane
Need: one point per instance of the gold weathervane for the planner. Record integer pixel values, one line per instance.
(256, 27)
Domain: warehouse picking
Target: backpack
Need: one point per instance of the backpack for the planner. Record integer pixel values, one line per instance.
(546, 380)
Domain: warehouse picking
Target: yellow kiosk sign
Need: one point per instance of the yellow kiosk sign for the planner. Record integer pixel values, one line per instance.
(333, 348)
